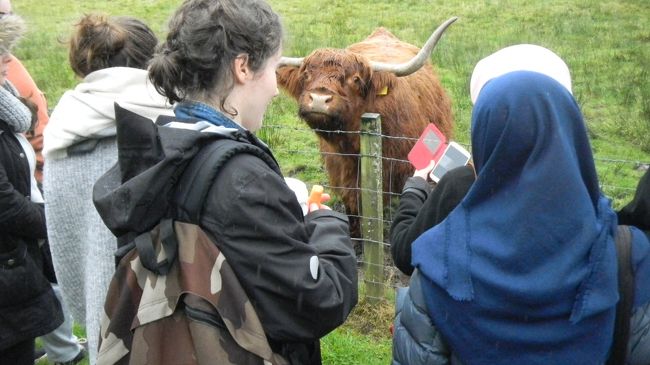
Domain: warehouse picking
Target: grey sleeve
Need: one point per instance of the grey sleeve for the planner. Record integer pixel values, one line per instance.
(416, 341)
(639, 344)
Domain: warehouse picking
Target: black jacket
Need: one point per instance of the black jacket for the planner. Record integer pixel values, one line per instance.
(256, 221)
(637, 212)
(20, 219)
(28, 307)
(420, 208)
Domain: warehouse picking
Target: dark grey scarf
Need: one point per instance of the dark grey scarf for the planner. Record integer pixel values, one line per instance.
(12, 110)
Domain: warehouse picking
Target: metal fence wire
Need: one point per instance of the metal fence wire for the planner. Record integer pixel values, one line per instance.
(376, 270)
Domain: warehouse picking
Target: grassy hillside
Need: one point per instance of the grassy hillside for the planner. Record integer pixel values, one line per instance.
(605, 44)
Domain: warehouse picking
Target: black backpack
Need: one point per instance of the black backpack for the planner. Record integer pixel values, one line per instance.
(185, 162)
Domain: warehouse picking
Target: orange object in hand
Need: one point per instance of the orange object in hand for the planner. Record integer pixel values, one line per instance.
(315, 195)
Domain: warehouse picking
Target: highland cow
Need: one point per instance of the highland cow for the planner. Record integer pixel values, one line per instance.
(383, 75)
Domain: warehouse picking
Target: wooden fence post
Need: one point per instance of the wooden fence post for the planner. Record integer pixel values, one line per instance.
(372, 222)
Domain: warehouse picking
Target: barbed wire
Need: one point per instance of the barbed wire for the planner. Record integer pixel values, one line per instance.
(391, 273)
(411, 139)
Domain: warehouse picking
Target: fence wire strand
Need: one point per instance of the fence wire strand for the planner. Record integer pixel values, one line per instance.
(393, 277)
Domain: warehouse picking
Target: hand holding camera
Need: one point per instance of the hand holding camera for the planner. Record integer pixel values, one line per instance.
(433, 156)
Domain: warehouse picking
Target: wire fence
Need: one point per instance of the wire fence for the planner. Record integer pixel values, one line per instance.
(389, 276)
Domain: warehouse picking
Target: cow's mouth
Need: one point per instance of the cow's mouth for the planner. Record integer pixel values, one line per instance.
(314, 116)
(321, 121)
(315, 119)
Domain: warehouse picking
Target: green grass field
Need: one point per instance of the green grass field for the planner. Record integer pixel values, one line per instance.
(605, 43)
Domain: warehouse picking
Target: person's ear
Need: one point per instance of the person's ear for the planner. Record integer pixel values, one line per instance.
(241, 70)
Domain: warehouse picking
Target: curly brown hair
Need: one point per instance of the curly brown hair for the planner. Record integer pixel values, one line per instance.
(205, 37)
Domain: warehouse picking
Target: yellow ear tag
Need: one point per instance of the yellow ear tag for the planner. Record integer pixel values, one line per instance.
(383, 91)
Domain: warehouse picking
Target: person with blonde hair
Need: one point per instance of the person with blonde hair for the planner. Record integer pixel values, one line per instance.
(27, 88)
(28, 305)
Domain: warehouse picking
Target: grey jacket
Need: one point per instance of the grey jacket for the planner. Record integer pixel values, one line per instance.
(417, 342)
(415, 339)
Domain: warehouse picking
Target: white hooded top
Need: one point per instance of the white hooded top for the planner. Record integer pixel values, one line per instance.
(87, 111)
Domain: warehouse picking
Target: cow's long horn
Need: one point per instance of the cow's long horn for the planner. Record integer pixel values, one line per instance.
(407, 68)
(291, 61)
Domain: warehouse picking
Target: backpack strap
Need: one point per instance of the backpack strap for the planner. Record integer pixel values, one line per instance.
(194, 184)
(191, 186)
(148, 256)
(200, 174)
(626, 293)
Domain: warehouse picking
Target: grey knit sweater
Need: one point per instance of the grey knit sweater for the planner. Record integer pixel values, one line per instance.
(82, 246)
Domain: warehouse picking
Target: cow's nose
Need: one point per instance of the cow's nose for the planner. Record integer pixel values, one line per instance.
(319, 102)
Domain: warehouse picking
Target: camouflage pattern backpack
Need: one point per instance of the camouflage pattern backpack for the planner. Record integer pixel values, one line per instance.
(174, 299)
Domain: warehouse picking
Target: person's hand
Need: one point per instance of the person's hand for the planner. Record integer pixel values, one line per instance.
(316, 206)
(424, 173)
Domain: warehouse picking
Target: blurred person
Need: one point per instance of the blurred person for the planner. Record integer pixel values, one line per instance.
(28, 305)
(60, 346)
(299, 271)
(27, 88)
(110, 54)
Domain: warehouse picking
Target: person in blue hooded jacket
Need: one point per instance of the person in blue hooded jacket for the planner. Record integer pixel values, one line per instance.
(423, 206)
(524, 269)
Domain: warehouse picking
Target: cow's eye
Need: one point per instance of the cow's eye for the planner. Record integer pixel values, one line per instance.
(356, 81)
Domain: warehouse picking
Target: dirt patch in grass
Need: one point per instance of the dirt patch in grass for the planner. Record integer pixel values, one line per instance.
(372, 318)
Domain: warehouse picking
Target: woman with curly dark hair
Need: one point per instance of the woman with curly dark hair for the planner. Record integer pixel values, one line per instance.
(299, 271)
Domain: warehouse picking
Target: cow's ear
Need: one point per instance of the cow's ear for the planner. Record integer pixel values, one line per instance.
(289, 79)
(381, 83)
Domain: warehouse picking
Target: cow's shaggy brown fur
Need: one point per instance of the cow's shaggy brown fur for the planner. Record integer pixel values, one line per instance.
(344, 75)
